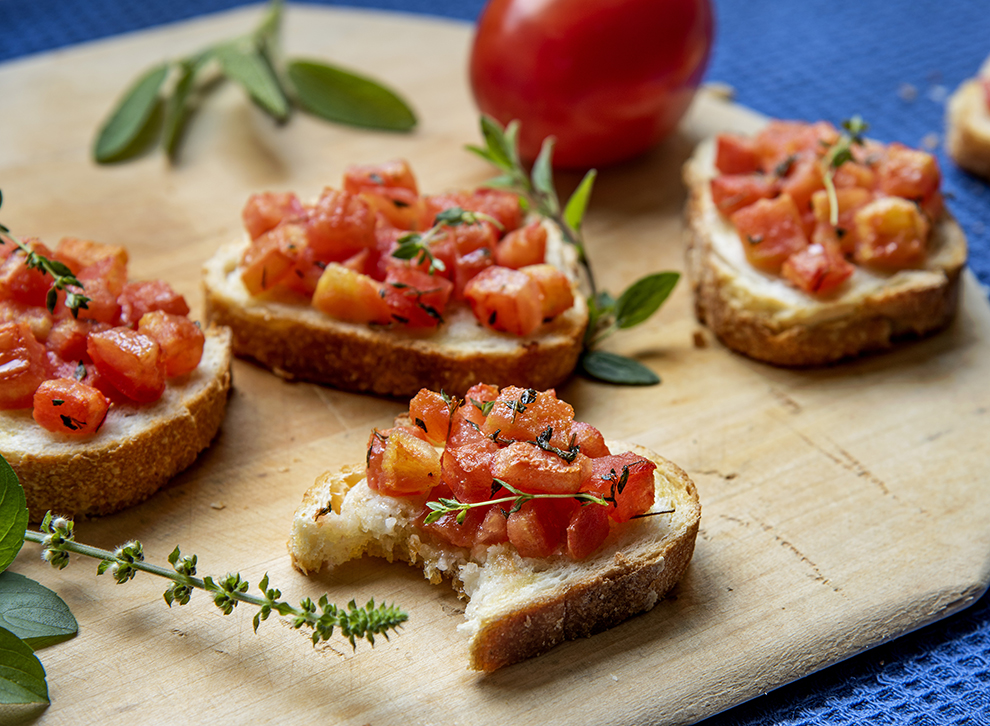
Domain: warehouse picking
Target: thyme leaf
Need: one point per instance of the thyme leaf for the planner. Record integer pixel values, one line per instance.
(443, 505)
(838, 154)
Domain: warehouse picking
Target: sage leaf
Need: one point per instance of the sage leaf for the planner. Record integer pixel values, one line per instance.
(335, 94)
(498, 152)
(643, 298)
(246, 66)
(132, 116)
(13, 515)
(22, 677)
(578, 202)
(34, 613)
(177, 109)
(614, 368)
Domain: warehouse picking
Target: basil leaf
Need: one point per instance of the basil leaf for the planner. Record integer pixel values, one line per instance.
(641, 299)
(344, 97)
(34, 613)
(247, 67)
(574, 210)
(13, 515)
(613, 368)
(131, 119)
(22, 677)
(542, 175)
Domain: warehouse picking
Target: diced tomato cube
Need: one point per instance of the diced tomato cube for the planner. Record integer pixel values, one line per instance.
(854, 174)
(467, 267)
(465, 426)
(68, 339)
(909, 173)
(271, 257)
(732, 192)
(529, 468)
(589, 440)
(505, 300)
(409, 465)
(771, 230)
(539, 528)
(130, 361)
(66, 406)
(416, 298)
(779, 141)
(394, 174)
(79, 254)
(499, 204)
(23, 365)
(556, 293)
(20, 283)
(493, 529)
(735, 154)
(817, 269)
(39, 320)
(350, 296)
(429, 411)
(265, 211)
(626, 481)
(891, 234)
(101, 307)
(467, 469)
(139, 298)
(803, 179)
(849, 200)
(521, 247)
(340, 225)
(180, 339)
(523, 414)
(587, 530)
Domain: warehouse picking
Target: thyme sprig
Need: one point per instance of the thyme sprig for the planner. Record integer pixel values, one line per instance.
(62, 276)
(838, 154)
(606, 313)
(445, 505)
(416, 245)
(57, 539)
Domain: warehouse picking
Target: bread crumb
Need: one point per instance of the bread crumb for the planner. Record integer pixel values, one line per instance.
(218, 505)
(614, 677)
(699, 339)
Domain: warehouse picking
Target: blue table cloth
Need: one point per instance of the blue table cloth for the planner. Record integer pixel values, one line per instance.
(894, 62)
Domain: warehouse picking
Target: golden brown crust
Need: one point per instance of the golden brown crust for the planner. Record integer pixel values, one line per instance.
(864, 323)
(968, 127)
(111, 472)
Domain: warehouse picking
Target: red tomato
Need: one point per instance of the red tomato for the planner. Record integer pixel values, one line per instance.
(607, 79)
(130, 361)
(22, 365)
(180, 339)
(66, 406)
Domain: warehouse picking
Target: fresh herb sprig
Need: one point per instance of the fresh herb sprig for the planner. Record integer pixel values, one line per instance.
(42, 617)
(416, 245)
(158, 105)
(62, 276)
(838, 154)
(606, 313)
(445, 505)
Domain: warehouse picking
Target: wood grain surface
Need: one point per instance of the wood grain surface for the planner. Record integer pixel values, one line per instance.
(841, 507)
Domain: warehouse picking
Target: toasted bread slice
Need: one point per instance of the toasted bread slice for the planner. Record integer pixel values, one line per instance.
(518, 607)
(968, 125)
(764, 317)
(137, 449)
(286, 334)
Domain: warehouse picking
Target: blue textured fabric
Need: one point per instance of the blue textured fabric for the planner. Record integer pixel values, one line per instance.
(891, 61)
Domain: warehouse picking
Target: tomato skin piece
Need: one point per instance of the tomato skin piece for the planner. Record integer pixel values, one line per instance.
(771, 230)
(608, 80)
(22, 365)
(587, 530)
(66, 406)
(130, 361)
(505, 300)
(180, 339)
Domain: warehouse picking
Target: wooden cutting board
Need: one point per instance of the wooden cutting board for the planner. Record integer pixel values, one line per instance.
(841, 507)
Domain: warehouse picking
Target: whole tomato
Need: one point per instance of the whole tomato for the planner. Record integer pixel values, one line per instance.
(608, 78)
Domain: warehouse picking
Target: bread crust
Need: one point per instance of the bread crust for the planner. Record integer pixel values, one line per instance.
(755, 315)
(296, 341)
(518, 607)
(968, 125)
(135, 452)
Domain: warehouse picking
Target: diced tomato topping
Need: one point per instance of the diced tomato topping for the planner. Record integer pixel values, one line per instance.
(493, 529)
(523, 414)
(539, 528)
(735, 154)
(529, 468)
(771, 231)
(817, 269)
(465, 533)
(130, 361)
(390, 190)
(589, 440)
(350, 296)
(102, 306)
(521, 247)
(429, 411)
(732, 192)
(556, 293)
(626, 481)
(505, 300)
(416, 298)
(272, 257)
(146, 296)
(850, 200)
(409, 465)
(39, 320)
(68, 339)
(340, 224)
(395, 174)
(587, 530)
(180, 339)
(779, 141)
(20, 283)
(81, 253)
(265, 211)
(66, 406)
(502, 205)
(467, 469)
(854, 174)
(467, 267)
(23, 365)
(909, 173)
(803, 179)
(891, 234)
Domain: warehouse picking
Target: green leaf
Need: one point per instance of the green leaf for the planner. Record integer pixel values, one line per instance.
(133, 115)
(613, 368)
(245, 65)
(641, 299)
(543, 176)
(578, 203)
(34, 613)
(177, 110)
(22, 677)
(338, 95)
(499, 149)
(13, 515)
